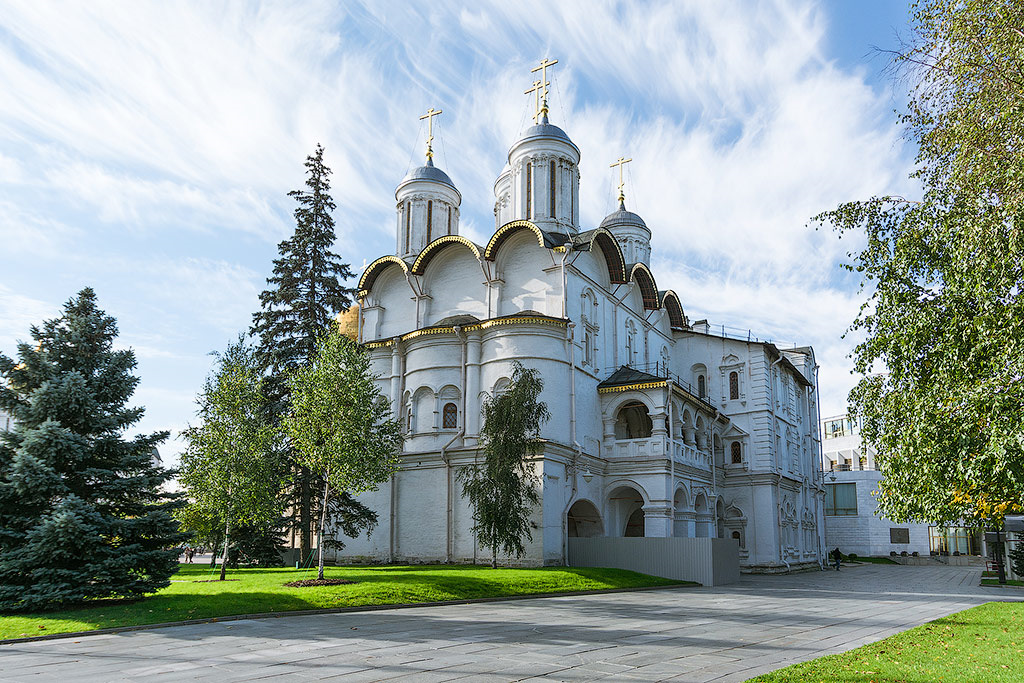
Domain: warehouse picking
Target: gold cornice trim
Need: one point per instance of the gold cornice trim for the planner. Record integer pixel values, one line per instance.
(483, 325)
(640, 386)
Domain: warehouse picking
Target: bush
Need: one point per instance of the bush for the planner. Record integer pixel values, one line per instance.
(892, 553)
(915, 554)
(853, 556)
(903, 553)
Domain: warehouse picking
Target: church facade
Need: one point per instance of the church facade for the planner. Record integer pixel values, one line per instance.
(659, 427)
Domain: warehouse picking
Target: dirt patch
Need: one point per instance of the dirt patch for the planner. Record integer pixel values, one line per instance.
(317, 582)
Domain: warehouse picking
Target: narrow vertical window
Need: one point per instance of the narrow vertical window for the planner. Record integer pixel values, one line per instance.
(430, 218)
(449, 220)
(737, 453)
(734, 385)
(408, 213)
(702, 391)
(529, 190)
(572, 198)
(551, 192)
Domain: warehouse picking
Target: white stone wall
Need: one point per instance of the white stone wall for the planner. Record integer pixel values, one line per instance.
(867, 534)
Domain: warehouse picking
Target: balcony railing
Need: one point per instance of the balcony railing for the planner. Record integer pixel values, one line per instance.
(682, 453)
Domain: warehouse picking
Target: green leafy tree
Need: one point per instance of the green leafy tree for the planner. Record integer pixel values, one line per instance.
(341, 425)
(228, 469)
(503, 488)
(82, 513)
(943, 357)
(305, 293)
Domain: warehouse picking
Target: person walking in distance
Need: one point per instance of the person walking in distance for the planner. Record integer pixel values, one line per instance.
(837, 556)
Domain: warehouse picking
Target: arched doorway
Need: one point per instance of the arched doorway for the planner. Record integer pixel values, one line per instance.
(584, 520)
(633, 421)
(626, 512)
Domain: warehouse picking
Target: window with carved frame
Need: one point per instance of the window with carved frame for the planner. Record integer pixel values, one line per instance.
(450, 416)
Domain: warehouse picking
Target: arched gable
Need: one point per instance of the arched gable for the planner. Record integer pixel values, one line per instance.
(374, 270)
(641, 274)
(509, 229)
(436, 247)
(609, 247)
(676, 317)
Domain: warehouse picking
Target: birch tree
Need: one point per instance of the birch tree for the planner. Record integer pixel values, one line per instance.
(228, 469)
(341, 426)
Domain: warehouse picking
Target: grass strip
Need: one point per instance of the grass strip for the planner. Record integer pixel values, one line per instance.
(192, 595)
(984, 643)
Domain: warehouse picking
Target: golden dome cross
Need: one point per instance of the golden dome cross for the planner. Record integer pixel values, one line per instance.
(621, 162)
(429, 116)
(543, 69)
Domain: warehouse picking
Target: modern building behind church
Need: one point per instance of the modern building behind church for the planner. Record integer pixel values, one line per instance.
(659, 426)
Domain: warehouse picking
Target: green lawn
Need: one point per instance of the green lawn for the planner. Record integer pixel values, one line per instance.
(261, 590)
(995, 582)
(985, 643)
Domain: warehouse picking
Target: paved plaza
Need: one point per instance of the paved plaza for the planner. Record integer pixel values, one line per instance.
(727, 633)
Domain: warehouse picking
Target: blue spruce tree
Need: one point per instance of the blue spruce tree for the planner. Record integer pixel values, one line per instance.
(82, 515)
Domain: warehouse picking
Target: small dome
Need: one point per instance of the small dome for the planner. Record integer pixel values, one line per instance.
(545, 131)
(623, 218)
(427, 172)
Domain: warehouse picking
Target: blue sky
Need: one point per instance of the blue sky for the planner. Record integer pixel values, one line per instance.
(146, 150)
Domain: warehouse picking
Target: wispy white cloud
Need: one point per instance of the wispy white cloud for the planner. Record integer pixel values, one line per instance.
(168, 135)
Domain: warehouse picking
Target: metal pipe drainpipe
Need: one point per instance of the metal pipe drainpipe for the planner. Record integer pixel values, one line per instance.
(577, 450)
(444, 452)
(820, 481)
(776, 464)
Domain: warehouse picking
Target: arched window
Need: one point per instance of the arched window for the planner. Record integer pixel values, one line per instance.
(450, 417)
(738, 537)
(633, 421)
(734, 385)
(529, 190)
(408, 420)
(430, 218)
(551, 191)
(702, 389)
(737, 453)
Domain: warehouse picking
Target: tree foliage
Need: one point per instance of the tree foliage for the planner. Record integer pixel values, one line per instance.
(82, 514)
(229, 468)
(503, 489)
(304, 294)
(944, 319)
(341, 426)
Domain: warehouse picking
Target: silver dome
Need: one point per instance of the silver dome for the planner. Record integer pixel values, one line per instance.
(427, 172)
(623, 218)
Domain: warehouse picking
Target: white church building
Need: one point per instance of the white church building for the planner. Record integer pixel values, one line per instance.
(659, 427)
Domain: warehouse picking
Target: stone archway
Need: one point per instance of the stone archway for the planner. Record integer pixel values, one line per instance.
(626, 512)
(584, 520)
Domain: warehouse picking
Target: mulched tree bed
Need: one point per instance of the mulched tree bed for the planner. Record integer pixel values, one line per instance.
(317, 582)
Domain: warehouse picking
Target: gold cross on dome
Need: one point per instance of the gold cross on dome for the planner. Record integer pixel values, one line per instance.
(429, 116)
(537, 87)
(621, 162)
(543, 69)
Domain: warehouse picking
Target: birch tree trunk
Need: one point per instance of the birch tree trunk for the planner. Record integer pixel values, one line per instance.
(320, 536)
(227, 541)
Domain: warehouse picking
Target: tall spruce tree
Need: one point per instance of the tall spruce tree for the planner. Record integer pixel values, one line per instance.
(305, 293)
(82, 515)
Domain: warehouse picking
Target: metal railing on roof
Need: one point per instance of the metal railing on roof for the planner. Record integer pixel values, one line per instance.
(740, 334)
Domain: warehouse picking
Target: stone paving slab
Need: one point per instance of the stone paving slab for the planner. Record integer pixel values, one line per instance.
(726, 633)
